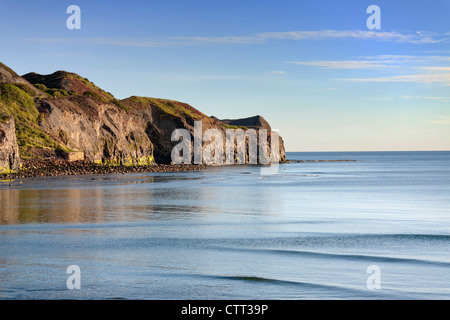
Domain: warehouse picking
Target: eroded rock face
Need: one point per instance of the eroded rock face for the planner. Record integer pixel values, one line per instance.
(9, 150)
(162, 122)
(83, 120)
(103, 132)
(256, 123)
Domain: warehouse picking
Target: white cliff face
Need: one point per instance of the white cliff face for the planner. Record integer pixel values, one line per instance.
(9, 150)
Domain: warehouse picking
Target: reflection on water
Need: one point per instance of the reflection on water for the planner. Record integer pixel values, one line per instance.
(65, 205)
(309, 232)
(134, 197)
(85, 200)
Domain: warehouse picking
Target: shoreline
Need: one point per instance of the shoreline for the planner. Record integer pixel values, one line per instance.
(59, 167)
(301, 161)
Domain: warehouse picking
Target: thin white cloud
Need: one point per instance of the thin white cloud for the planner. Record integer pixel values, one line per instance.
(418, 37)
(382, 61)
(408, 58)
(428, 78)
(344, 64)
(276, 72)
(441, 120)
(418, 69)
(445, 69)
(218, 40)
(440, 99)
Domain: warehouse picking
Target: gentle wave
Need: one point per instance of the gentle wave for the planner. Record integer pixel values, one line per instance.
(364, 257)
(272, 281)
(356, 257)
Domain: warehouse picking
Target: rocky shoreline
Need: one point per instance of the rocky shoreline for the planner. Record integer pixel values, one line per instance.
(59, 167)
(301, 161)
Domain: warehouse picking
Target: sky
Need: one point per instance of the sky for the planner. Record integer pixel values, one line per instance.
(313, 69)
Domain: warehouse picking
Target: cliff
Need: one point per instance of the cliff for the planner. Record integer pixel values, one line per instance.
(256, 123)
(9, 150)
(65, 115)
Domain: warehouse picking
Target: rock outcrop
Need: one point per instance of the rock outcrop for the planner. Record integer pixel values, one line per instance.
(63, 115)
(9, 150)
(102, 131)
(256, 123)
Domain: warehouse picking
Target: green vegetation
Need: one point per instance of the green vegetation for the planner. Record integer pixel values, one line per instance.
(27, 89)
(171, 107)
(63, 136)
(227, 126)
(4, 118)
(119, 104)
(57, 93)
(58, 83)
(128, 162)
(15, 101)
(95, 95)
(106, 96)
(40, 86)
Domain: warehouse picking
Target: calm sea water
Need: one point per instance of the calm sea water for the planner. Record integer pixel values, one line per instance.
(311, 231)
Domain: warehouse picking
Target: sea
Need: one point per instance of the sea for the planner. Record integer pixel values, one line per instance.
(376, 228)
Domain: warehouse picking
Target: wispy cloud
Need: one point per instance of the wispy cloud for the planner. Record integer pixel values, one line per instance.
(396, 68)
(382, 61)
(343, 64)
(440, 99)
(424, 78)
(441, 120)
(419, 37)
(444, 69)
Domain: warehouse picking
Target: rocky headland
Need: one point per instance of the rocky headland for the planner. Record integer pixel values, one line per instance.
(63, 124)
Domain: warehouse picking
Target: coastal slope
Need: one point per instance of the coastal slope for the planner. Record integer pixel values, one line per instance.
(63, 115)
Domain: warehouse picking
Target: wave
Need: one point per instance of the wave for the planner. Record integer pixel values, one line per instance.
(355, 257)
(272, 281)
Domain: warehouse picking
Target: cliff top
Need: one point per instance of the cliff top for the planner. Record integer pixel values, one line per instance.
(255, 122)
(172, 107)
(8, 76)
(67, 82)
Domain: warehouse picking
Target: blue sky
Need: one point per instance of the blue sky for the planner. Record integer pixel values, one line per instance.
(312, 69)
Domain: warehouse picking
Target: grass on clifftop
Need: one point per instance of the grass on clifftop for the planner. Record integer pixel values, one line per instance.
(63, 83)
(175, 108)
(227, 126)
(18, 103)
